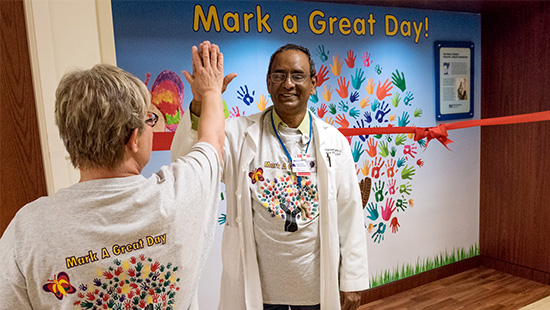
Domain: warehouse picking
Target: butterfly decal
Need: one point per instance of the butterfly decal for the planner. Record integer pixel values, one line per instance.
(256, 175)
(59, 286)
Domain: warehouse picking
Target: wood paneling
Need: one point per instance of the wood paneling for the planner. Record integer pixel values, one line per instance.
(514, 206)
(21, 168)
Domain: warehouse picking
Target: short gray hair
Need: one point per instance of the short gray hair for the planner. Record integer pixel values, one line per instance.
(95, 110)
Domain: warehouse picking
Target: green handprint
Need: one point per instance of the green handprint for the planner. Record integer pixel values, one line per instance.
(312, 109)
(332, 108)
(401, 161)
(400, 139)
(358, 79)
(321, 53)
(383, 146)
(407, 172)
(378, 136)
(401, 204)
(379, 191)
(405, 188)
(373, 211)
(393, 151)
(418, 112)
(378, 69)
(403, 121)
(389, 138)
(399, 80)
(357, 151)
(395, 100)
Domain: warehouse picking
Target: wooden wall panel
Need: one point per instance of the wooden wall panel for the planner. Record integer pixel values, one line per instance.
(515, 159)
(21, 168)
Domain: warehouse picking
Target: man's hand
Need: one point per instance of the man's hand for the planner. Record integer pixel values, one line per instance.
(350, 300)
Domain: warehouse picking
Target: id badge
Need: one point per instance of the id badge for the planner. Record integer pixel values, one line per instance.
(300, 165)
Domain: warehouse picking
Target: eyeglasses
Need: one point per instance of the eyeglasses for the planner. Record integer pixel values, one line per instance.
(152, 119)
(279, 77)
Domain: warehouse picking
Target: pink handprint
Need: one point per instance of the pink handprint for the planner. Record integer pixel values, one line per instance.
(350, 60)
(322, 110)
(394, 225)
(375, 172)
(388, 210)
(372, 147)
(321, 75)
(366, 59)
(235, 112)
(382, 92)
(342, 121)
(342, 89)
(409, 150)
(392, 188)
(390, 165)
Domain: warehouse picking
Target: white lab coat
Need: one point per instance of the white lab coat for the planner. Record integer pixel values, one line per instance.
(343, 236)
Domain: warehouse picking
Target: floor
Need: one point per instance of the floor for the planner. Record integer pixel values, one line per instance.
(476, 289)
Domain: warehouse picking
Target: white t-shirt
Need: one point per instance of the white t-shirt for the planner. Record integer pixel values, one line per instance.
(120, 243)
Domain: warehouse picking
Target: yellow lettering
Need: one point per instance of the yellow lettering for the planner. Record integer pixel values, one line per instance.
(331, 21)
(321, 23)
(292, 19)
(206, 23)
(407, 24)
(344, 25)
(359, 32)
(394, 20)
(150, 240)
(371, 22)
(117, 250)
(417, 31)
(246, 23)
(71, 262)
(262, 20)
(105, 253)
(235, 18)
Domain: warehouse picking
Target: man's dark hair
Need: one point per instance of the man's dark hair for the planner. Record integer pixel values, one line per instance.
(291, 46)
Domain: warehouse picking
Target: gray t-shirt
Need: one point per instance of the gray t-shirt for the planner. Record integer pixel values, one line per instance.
(120, 243)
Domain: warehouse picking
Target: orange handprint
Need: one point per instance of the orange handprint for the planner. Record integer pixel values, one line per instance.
(342, 87)
(336, 69)
(382, 92)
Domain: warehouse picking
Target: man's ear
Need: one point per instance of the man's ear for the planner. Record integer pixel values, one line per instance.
(133, 141)
(314, 85)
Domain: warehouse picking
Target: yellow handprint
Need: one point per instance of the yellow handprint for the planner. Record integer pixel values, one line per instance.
(392, 117)
(370, 228)
(411, 203)
(410, 134)
(262, 102)
(329, 120)
(327, 93)
(370, 86)
(337, 65)
(366, 167)
(364, 102)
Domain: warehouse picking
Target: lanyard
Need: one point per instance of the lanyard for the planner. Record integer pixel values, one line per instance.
(284, 147)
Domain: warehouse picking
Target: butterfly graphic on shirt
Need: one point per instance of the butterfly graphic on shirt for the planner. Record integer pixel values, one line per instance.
(256, 175)
(60, 285)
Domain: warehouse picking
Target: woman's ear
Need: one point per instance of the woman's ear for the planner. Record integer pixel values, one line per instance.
(133, 141)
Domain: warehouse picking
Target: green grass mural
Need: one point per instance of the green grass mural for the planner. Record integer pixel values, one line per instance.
(404, 271)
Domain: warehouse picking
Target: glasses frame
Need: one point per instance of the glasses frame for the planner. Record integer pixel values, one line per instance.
(292, 75)
(151, 121)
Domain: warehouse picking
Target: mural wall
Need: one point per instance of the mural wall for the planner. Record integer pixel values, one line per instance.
(376, 68)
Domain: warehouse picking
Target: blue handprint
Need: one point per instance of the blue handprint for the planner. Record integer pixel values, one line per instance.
(379, 234)
(368, 118)
(401, 161)
(245, 96)
(384, 109)
(362, 124)
(222, 219)
(374, 105)
(354, 96)
(314, 98)
(343, 106)
(358, 79)
(422, 142)
(373, 211)
(403, 121)
(354, 112)
(408, 98)
(321, 53)
(357, 151)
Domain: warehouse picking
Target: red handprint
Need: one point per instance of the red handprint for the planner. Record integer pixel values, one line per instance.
(388, 210)
(350, 60)
(390, 165)
(322, 110)
(372, 144)
(382, 92)
(342, 121)
(409, 150)
(391, 186)
(394, 225)
(342, 87)
(419, 162)
(235, 112)
(375, 171)
(321, 75)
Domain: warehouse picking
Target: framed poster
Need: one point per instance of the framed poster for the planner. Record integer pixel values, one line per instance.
(454, 76)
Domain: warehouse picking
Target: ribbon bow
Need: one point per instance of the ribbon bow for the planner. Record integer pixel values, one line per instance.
(439, 133)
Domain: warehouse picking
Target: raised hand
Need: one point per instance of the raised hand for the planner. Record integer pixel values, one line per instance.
(383, 149)
(399, 80)
(262, 102)
(375, 171)
(342, 121)
(384, 109)
(382, 91)
(403, 121)
(372, 147)
(337, 65)
(409, 149)
(379, 234)
(390, 168)
(364, 102)
(322, 75)
(408, 98)
(365, 169)
(245, 96)
(332, 108)
(388, 210)
(379, 191)
(354, 112)
(405, 189)
(357, 151)
(343, 106)
(407, 172)
(364, 186)
(350, 60)
(372, 208)
(342, 87)
(370, 87)
(366, 59)
(378, 69)
(321, 53)
(395, 100)
(321, 111)
(418, 112)
(357, 79)
(394, 225)
(354, 96)
(327, 94)
(235, 112)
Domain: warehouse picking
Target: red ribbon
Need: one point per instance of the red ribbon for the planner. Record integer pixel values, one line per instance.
(439, 133)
